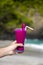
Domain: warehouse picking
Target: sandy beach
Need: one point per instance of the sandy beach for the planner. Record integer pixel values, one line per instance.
(29, 57)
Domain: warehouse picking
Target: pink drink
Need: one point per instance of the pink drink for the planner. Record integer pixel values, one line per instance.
(20, 37)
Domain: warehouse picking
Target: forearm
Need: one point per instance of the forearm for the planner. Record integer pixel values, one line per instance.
(4, 51)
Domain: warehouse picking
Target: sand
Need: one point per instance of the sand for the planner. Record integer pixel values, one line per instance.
(29, 57)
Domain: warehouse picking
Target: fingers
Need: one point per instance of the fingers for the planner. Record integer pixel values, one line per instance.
(12, 52)
(19, 44)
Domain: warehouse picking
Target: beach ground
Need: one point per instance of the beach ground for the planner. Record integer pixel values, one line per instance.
(29, 57)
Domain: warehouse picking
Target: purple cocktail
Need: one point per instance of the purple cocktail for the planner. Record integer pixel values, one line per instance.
(20, 37)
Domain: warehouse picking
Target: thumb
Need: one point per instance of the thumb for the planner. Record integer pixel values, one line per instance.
(14, 42)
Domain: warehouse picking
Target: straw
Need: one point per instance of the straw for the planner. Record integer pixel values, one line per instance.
(28, 28)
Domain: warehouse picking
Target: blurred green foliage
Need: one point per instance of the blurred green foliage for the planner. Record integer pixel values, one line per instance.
(13, 12)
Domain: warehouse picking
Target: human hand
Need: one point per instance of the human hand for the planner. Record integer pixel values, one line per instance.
(12, 47)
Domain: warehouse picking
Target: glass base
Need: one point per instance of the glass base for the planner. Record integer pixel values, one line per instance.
(19, 51)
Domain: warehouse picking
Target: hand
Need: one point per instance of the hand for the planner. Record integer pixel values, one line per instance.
(11, 48)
